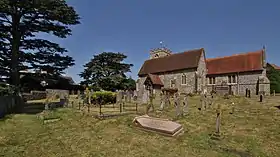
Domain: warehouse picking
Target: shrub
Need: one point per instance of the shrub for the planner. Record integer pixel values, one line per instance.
(104, 97)
(191, 94)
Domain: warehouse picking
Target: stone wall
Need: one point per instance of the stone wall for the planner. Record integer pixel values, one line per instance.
(57, 93)
(243, 80)
(35, 95)
(9, 104)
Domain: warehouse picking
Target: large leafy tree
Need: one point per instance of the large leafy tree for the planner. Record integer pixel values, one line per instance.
(274, 78)
(20, 22)
(106, 71)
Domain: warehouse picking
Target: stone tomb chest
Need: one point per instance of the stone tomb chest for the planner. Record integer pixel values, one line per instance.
(161, 126)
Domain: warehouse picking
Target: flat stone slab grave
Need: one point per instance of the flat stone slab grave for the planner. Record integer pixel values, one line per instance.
(161, 126)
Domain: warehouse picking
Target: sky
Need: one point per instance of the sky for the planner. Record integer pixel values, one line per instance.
(134, 27)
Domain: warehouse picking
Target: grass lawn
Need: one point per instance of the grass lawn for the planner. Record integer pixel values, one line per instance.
(253, 130)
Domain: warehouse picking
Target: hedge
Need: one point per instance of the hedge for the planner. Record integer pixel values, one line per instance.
(104, 97)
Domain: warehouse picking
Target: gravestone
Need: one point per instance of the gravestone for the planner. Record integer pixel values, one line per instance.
(232, 108)
(201, 104)
(218, 119)
(261, 98)
(249, 93)
(150, 105)
(162, 101)
(79, 92)
(177, 104)
(135, 95)
(185, 105)
(129, 96)
(161, 126)
(167, 102)
(205, 103)
(145, 98)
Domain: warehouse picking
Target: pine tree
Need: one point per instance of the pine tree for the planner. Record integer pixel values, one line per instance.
(20, 22)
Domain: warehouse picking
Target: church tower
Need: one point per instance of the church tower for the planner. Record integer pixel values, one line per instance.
(160, 52)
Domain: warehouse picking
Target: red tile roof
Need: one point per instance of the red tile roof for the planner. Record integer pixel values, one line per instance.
(275, 66)
(155, 79)
(177, 61)
(251, 61)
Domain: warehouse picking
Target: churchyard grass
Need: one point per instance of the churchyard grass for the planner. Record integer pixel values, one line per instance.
(252, 130)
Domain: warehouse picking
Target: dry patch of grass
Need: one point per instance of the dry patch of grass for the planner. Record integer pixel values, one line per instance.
(252, 130)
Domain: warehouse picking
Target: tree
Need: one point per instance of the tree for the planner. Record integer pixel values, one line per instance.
(128, 84)
(274, 78)
(20, 22)
(106, 71)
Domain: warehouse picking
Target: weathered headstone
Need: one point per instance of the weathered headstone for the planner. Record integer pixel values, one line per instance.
(167, 102)
(246, 94)
(135, 96)
(261, 97)
(232, 108)
(150, 105)
(145, 98)
(185, 105)
(47, 104)
(218, 119)
(249, 93)
(129, 96)
(273, 92)
(205, 102)
(79, 92)
(162, 101)
(201, 103)
(177, 104)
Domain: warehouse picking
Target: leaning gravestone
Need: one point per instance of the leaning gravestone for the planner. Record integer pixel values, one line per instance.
(161, 126)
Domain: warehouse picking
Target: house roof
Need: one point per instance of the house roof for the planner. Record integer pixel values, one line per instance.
(177, 61)
(155, 79)
(275, 66)
(244, 62)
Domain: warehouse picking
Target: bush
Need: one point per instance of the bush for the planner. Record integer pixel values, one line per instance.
(104, 97)
(191, 94)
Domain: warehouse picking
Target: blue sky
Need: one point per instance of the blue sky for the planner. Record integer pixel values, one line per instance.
(222, 27)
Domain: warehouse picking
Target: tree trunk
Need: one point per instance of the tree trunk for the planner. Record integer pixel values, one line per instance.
(15, 52)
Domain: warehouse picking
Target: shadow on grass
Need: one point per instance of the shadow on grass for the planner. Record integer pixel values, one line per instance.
(236, 152)
(35, 108)
(277, 107)
(6, 117)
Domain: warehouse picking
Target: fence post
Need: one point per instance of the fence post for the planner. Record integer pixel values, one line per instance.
(100, 109)
(79, 105)
(120, 107)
